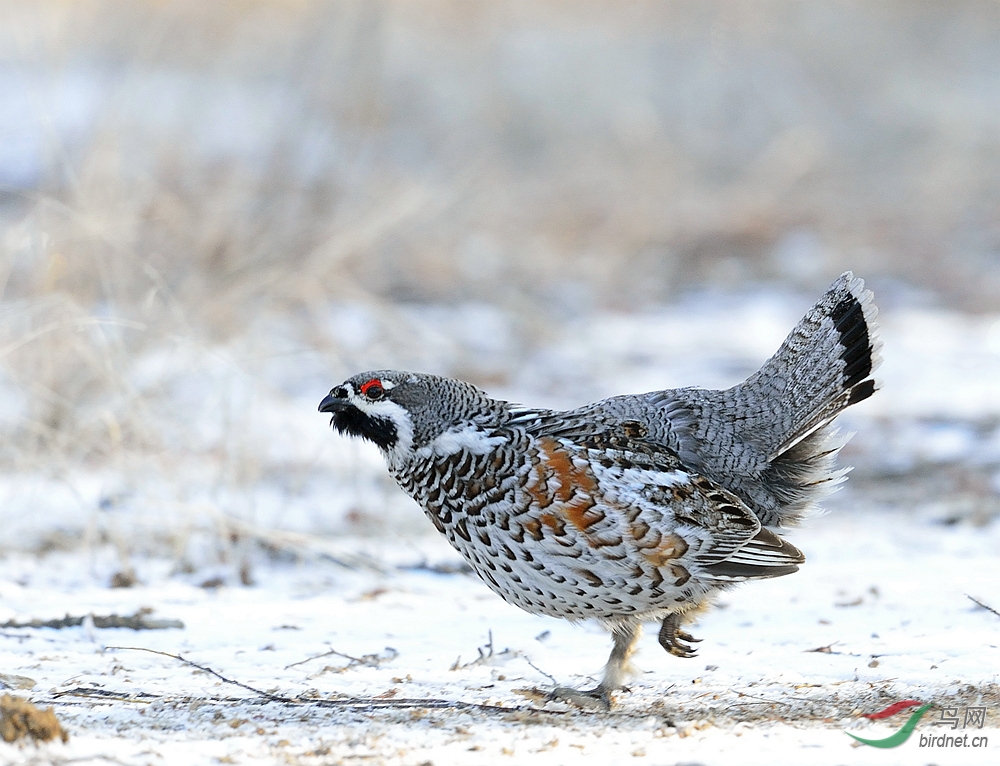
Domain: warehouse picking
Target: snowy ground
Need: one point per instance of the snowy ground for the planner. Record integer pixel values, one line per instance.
(885, 598)
(336, 565)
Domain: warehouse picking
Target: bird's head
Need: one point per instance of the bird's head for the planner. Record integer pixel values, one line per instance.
(402, 412)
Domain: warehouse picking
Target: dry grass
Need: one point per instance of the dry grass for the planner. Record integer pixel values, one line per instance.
(19, 719)
(198, 171)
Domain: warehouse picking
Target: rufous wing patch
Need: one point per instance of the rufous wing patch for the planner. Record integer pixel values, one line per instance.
(538, 485)
(574, 487)
(670, 548)
(566, 490)
(553, 522)
(572, 479)
(533, 527)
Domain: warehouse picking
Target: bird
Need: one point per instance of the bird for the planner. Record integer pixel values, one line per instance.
(636, 509)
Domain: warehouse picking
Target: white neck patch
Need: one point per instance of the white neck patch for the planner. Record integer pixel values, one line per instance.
(468, 439)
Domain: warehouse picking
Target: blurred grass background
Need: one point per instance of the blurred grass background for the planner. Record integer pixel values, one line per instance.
(187, 187)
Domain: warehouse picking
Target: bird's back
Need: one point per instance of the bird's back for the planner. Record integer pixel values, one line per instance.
(769, 439)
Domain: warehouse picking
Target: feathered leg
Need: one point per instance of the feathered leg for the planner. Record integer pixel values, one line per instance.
(625, 636)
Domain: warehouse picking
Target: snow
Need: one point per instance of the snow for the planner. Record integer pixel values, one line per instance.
(872, 591)
(335, 559)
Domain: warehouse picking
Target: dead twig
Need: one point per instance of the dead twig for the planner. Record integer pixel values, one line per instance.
(138, 621)
(206, 669)
(345, 703)
(760, 699)
(828, 649)
(367, 660)
(484, 656)
(310, 659)
(981, 605)
(107, 694)
(539, 670)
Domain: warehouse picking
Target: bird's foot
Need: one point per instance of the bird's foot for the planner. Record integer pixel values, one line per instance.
(671, 637)
(598, 698)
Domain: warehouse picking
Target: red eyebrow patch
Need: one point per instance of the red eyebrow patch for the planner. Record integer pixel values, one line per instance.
(369, 384)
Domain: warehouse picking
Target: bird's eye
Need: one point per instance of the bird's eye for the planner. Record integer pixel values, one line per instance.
(373, 390)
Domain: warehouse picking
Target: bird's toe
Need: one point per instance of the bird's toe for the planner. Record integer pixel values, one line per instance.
(597, 698)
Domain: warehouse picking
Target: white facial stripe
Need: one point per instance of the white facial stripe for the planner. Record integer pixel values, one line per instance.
(391, 411)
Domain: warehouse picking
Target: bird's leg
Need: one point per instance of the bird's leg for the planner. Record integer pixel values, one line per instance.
(626, 637)
(671, 636)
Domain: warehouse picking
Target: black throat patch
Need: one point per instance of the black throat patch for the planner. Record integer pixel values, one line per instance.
(354, 422)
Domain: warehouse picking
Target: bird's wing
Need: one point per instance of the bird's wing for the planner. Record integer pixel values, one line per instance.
(733, 544)
(740, 548)
(639, 491)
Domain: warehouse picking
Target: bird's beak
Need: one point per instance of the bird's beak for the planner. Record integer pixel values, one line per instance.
(333, 404)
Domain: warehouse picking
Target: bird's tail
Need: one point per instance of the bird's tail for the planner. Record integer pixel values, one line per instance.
(824, 365)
